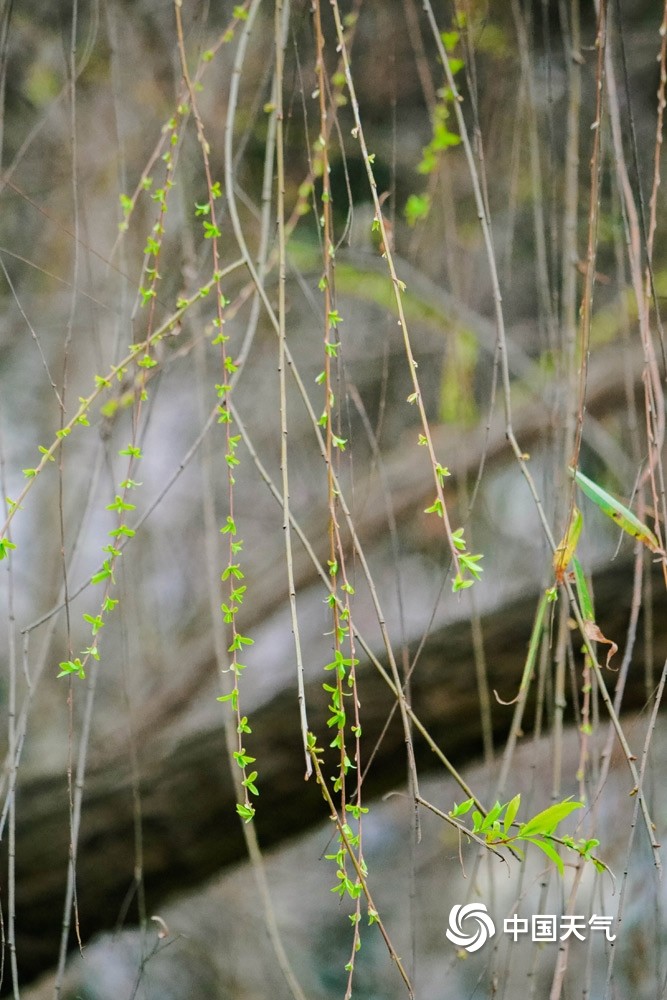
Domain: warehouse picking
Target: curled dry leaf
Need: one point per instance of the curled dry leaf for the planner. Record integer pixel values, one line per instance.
(593, 634)
(163, 930)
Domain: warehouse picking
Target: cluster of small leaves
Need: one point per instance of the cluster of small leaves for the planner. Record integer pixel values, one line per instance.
(469, 565)
(172, 126)
(585, 847)
(331, 348)
(232, 575)
(140, 354)
(5, 547)
(342, 668)
(469, 570)
(343, 703)
(443, 138)
(418, 206)
(499, 829)
(127, 204)
(349, 846)
(159, 195)
(105, 575)
(345, 886)
(211, 230)
(343, 664)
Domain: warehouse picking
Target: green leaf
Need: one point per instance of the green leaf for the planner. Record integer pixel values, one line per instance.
(245, 812)
(5, 546)
(469, 563)
(119, 504)
(458, 539)
(614, 509)
(511, 811)
(233, 697)
(242, 758)
(491, 817)
(463, 808)
(249, 783)
(417, 208)
(443, 138)
(122, 529)
(95, 621)
(232, 570)
(450, 39)
(585, 600)
(239, 641)
(103, 574)
(550, 852)
(68, 667)
(547, 820)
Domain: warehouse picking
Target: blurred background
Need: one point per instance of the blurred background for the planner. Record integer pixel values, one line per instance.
(103, 243)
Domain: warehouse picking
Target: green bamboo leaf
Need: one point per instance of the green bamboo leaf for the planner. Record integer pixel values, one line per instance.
(585, 600)
(568, 545)
(623, 517)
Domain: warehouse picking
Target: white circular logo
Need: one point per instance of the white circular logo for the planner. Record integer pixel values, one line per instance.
(476, 912)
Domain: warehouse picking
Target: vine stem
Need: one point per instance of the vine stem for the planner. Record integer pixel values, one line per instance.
(233, 732)
(282, 338)
(397, 286)
(654, 401)
(485, 224)
(520, 457)
(363, 643)
(12, 744)
(321, 781)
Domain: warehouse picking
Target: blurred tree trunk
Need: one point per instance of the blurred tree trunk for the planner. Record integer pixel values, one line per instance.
(188, 822)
